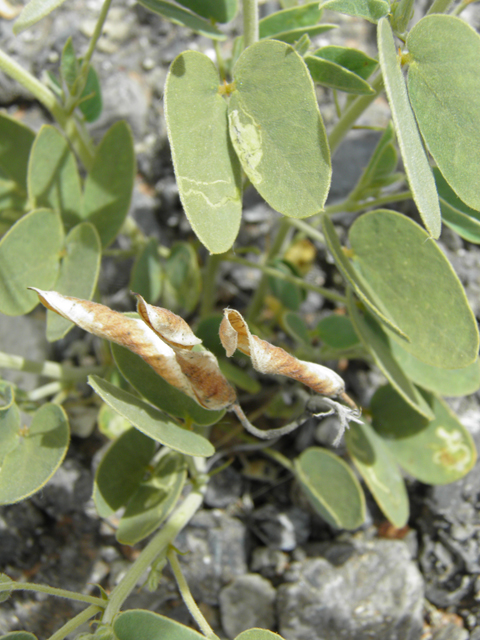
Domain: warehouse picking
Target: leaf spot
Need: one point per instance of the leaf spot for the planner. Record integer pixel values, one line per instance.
(248, 143)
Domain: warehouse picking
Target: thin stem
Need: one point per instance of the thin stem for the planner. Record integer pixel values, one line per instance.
(47, 368)
(460, 7)
(266, 434)
(187, 596)
(51, 591)
(352, 113)
(177, 521)
(280, 458)
(220, 61)
(277, 244)
(210, 282)
(48, 99)
(75, 622)
(95, 38)
(44, 391)
(271, 271)
(440, 6)
(308, 230)
(250, 22)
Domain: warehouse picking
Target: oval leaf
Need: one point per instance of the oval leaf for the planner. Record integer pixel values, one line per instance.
(258, 634)
(9, 429)
(151, 421)
(351, 276)
(377, 344)
(378, 468)
(216, 10)
(33, 12)
(330, 74)
(29, 257)
(39, 452)
(145, 625)
(19, 635)
(121, 470)
(207, 171)
(5, 593)
(398, 264)
(305, 15)
(293, 36)
(182, 17)
(273, 114)
(455, 213)
(331, 488)
(438, 452)
(146, 278)
(161, 394)
(83, 254)
(417, 167)
(154, 499)
(443, 79)
(15, 143)
(53, 179)
(352, 59)
(109, 184)
(371, 10)
(91, 103)
(337, 332)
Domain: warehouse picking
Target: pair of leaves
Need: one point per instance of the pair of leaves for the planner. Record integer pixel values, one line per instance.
(119, 482)
(138, 624)
(29, 456)
(342, 68)
(271, 113)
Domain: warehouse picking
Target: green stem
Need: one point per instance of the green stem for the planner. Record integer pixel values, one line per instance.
(44, 391)
(346, 206)
(352, 113)
(47, 368)
(177, 521)
(250, 22)
(277, 244)
(187, 596)
(48, 99)
(51, 591)
(210, 283)
(440, 6)
(220, 61)
(75, 622)
(271, 271)
(460, 7)
(280, 458)
(95, 38)
(308, 230)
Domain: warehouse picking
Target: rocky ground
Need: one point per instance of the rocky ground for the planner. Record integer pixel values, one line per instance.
(257, 555)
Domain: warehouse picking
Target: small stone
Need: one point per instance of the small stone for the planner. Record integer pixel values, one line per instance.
(247, 602)
(450, 632)
(271, 563)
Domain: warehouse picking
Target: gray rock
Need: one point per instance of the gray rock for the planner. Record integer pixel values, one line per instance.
(224, 488)
(450, 632)
(281, 529)
(376, 592)
(216, 554)
(271, 563)
(67, 491)
(247, 602)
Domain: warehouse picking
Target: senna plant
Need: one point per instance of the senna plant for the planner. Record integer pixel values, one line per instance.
(248, 121)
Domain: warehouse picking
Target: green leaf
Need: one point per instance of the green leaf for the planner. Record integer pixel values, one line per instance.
(371, 10)
(53, 179)
(208, 331)
(33, 12)
(417, 167)
(83, 254)
(10, 422)
(40, 450)
(182, 17)
(277, 130)
(438, 452)
(378, 468)
(240, 378)
(121, 471)
(376, 343)
(332, 489)
(146, 277)
(351, 276)
(445, 382)
(69, 64)
(293, 36)
(19, 635)
(216, 10)
(183, 281)
(258, 634)
(161, 394)
(295, 326)
(337, 332)
(109, 184)
(151, 421)
(7, 395)
(110, 423)
(4, 595)
(352, 59)
(137, 624)
(91, 103)
(29, 257)
(154, 499)
(289, 294)
(443, 79)
(375, 168)
(15, 143)
(333, 75)
(455, 213)
(305, 15)
(398, 264)
(207, 170)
